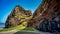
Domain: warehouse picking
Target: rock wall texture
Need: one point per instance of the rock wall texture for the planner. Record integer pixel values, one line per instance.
(46, 16)
(16, 16)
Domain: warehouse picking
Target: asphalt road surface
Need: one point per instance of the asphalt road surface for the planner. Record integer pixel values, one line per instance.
(24, 32)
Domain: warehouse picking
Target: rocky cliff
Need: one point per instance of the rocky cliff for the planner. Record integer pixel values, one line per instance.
(17, 16)
(47, 10)
(46, 16)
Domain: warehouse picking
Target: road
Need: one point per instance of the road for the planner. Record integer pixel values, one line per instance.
(24, 32)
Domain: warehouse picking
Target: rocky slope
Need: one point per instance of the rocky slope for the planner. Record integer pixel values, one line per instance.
(46, 11)
(28, 13)
(46, 16)
(17, 16)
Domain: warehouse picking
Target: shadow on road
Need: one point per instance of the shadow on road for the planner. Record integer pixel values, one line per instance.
(25, 32)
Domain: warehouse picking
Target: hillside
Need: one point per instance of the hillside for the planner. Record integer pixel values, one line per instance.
(18, 16)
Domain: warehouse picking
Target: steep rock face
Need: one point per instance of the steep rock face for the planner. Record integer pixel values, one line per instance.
(17, 16)
(46, 16)
(48, 10)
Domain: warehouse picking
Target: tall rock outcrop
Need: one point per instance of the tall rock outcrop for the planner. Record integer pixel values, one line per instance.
(17, 16)
(47, 10)
(46, 16)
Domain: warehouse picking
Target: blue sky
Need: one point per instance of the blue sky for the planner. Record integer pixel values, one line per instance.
(6, 6)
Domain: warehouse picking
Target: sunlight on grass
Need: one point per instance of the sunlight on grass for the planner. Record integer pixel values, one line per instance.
(13, 28)
(29, 29)
(17, 29)
(21, 26)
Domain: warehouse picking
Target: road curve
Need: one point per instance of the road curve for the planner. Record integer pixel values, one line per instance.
(25, 32)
